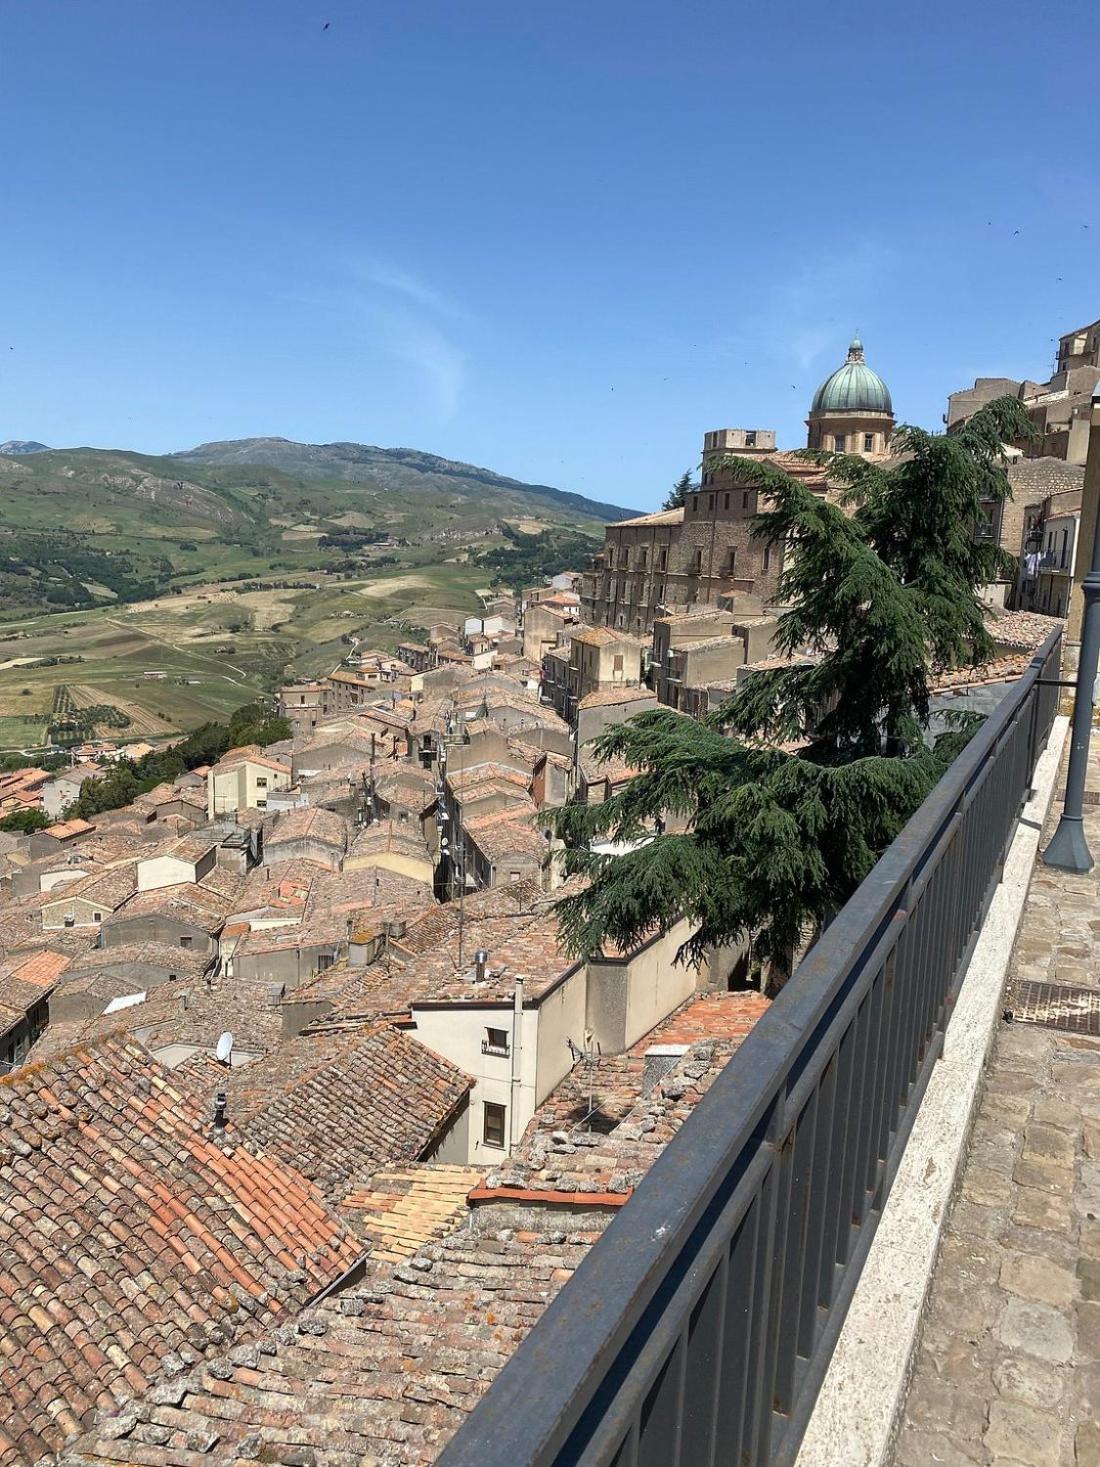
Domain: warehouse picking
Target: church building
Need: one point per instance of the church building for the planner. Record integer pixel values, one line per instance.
(706, 553)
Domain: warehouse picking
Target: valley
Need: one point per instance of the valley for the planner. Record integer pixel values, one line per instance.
(174, 589)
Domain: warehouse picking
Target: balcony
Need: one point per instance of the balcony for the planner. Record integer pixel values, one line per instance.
(701, 1327)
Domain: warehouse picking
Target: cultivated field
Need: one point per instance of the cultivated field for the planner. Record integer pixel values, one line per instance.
(216, 647)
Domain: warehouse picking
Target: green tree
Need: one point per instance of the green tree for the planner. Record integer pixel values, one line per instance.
(24, 822)
(677, 495)
(771, 840)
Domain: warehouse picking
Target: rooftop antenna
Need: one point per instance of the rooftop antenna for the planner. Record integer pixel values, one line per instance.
(224, 1051)
(588, 1056)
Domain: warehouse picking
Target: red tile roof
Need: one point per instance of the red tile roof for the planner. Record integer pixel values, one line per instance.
(131, 1236)
(337, 1109)
(382, 1374)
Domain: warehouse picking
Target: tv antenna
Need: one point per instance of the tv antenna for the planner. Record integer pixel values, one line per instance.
(589, 1056)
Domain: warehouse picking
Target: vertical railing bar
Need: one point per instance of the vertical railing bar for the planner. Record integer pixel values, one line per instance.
(794, 1266)
(722, 1283)
(784, 1165)
(817, 1215)
(834, 1201)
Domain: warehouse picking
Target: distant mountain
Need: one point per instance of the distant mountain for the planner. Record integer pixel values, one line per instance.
(23, 445)
(402, 470)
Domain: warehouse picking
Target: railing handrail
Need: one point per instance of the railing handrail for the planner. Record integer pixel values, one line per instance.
(573, 1353)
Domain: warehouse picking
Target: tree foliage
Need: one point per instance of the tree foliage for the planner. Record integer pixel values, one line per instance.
(127, 778)
(24, 822)
(781, 801)
(677, 495)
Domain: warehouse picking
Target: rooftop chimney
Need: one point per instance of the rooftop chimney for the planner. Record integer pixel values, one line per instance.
(220, 1102)
(481, 958)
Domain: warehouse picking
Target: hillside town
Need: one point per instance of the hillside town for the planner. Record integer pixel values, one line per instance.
(307, 1106)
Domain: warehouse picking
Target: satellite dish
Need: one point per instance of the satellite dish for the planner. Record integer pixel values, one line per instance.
(225, 1048)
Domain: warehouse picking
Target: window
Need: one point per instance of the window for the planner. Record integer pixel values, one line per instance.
(1065, 538)
(697, 563)
(186, 940)
(643, 556)
(618, 664)
(745, 500)
(97, 916)
(302, 700)
(261, 781)
(664, 557)
(610, 559)
(868, 442)
(767, 556)
(494, 1124)
(324, 960)
(838, 443)
(513, 877)
(750, 440)
(261, 804)
(726, 502)
(731, 564)
(496, 1041)
(710, 501)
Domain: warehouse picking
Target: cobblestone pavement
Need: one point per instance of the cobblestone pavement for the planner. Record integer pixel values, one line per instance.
(1008, 1368)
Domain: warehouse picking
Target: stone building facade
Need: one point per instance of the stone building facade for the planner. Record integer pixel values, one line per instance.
(678, 559)
(1059, 408)
(682, 558)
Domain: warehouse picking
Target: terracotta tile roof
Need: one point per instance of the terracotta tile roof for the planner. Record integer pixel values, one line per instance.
(336, 1109)
(605, 696)
(601, 637)
(42, 969)
(186, 902)
(107, 889)
(90, 972)
(192, 1012)
(69, 829)
(133, 1240)
(309, 822)
(507, 833)
(560, 1154)
(383, 1374)
(662, 517)
(251, 754)
(401, 1208)
(1022, 630)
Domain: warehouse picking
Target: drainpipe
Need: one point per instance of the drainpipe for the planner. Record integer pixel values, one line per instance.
(517, 1066)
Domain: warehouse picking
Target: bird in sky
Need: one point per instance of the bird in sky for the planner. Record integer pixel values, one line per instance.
(1015, 231)
(326, 25)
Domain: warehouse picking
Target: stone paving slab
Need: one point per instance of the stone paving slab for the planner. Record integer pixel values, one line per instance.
(1008, 1367)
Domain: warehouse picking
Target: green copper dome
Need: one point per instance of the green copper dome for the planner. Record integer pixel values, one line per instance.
(853, 388)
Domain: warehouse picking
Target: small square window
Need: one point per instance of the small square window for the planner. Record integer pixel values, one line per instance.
(497, 1038)
(97, 916)
(261, 781)
(495, 1116)
(750, 440)
(186, 940)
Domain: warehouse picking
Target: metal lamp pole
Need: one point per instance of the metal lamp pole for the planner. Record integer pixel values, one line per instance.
(1068, 850)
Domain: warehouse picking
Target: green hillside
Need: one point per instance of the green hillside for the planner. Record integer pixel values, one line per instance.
(86, 527)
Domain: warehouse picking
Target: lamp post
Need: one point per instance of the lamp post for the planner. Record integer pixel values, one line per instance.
(1068, 850)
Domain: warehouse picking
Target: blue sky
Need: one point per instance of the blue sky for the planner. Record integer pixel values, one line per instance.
(560, 238)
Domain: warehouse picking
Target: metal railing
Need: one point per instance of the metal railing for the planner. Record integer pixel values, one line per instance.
(697, 1331)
